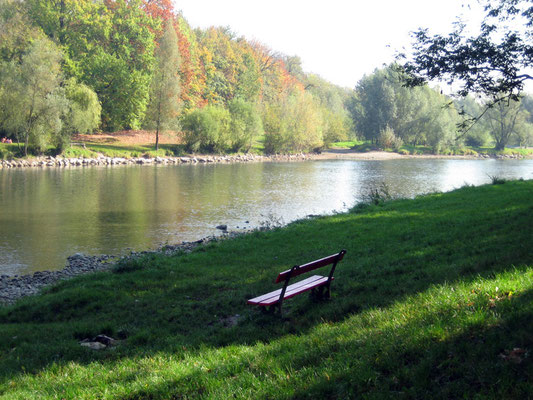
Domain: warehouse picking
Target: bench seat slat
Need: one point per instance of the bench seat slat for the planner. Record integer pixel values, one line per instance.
(292, 290)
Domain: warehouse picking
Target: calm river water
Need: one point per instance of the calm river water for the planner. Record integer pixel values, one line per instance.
(48, 214)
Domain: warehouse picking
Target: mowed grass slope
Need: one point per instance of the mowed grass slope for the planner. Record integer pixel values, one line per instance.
(434, 299)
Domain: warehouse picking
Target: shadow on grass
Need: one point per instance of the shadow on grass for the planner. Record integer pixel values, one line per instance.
(436, 353)
(477, 359)
(164, 304)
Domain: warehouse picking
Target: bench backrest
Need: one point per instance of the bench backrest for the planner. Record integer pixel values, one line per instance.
(302, 269)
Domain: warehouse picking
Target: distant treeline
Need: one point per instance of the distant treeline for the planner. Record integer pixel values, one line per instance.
(78, 66)
(389, 114)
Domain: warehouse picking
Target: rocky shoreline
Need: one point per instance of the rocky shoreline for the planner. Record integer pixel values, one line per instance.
(59, 161)
(49, 161)
(13, 287)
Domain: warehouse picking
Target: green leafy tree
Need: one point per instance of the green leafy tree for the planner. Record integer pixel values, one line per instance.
(248, 79)
(373, 107)
(525, 132)
(33, 101)
(476, 135)
(245, 124)
(495, 63)
(419, 115)
(505, 119)
(336, 126)
(165, 88)
(16, 30)
(83, 112)
(109, 46)
(441, 118)
(293, 125)
(207, 129)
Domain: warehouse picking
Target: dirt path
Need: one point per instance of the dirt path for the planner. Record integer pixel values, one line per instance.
(348, 154)
(130, 138)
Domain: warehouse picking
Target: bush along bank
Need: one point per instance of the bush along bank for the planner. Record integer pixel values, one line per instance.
(110, 161)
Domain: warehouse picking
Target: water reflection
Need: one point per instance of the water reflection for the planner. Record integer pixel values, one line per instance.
(49, 214)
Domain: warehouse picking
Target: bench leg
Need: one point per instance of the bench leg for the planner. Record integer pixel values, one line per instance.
(271, 309)
(317, 293)
(320, 293)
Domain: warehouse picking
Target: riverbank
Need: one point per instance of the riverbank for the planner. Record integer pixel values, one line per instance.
(14, 287)
(432, 300)
(349, 154)
(331, 154)
(59, 161)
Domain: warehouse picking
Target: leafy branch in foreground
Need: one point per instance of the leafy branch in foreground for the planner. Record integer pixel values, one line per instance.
(496, 63)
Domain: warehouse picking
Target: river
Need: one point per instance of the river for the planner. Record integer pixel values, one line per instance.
(48, 214)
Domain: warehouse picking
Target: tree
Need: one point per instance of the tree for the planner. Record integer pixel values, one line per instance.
(373, 108)
(505, 119)
(165, 89)
(525, 132)
(294, 124)
(109, 46)
(33, 101)
(207, 129)
(16, 31)
(83, 112)
(245, 124)
(495, 63)
(477, 135)
(418, 115)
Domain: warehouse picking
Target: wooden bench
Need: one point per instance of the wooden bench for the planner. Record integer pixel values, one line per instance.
(316, 283)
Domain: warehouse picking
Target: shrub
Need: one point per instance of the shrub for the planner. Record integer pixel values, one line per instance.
(293, 125)
(207, 129)
(6, 153)
(496, 180)
(245, 124)
(388, 140)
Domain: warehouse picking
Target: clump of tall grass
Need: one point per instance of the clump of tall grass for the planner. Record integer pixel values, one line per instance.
(496, 180)
(387, 139)
(374, 195)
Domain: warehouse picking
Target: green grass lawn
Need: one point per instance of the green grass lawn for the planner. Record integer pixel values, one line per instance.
(434, 299)
(117, 150)
(345, 145)
(9, 150)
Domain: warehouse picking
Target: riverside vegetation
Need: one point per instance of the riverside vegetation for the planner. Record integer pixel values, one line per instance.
(433, 300)
(76, 67)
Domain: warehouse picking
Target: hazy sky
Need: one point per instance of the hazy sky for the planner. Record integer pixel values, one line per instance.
(340, 40)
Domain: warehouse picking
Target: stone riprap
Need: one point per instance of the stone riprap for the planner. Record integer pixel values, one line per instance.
(16, 286)
(50, 161)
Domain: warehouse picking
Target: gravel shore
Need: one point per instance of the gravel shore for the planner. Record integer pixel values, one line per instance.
(13, 287)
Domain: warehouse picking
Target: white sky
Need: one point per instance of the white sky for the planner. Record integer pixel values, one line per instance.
(340, 40)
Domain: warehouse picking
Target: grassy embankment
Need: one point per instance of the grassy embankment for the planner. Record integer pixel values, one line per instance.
(109, 146)
(90, 150)
(434, 299)
(134, 144)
